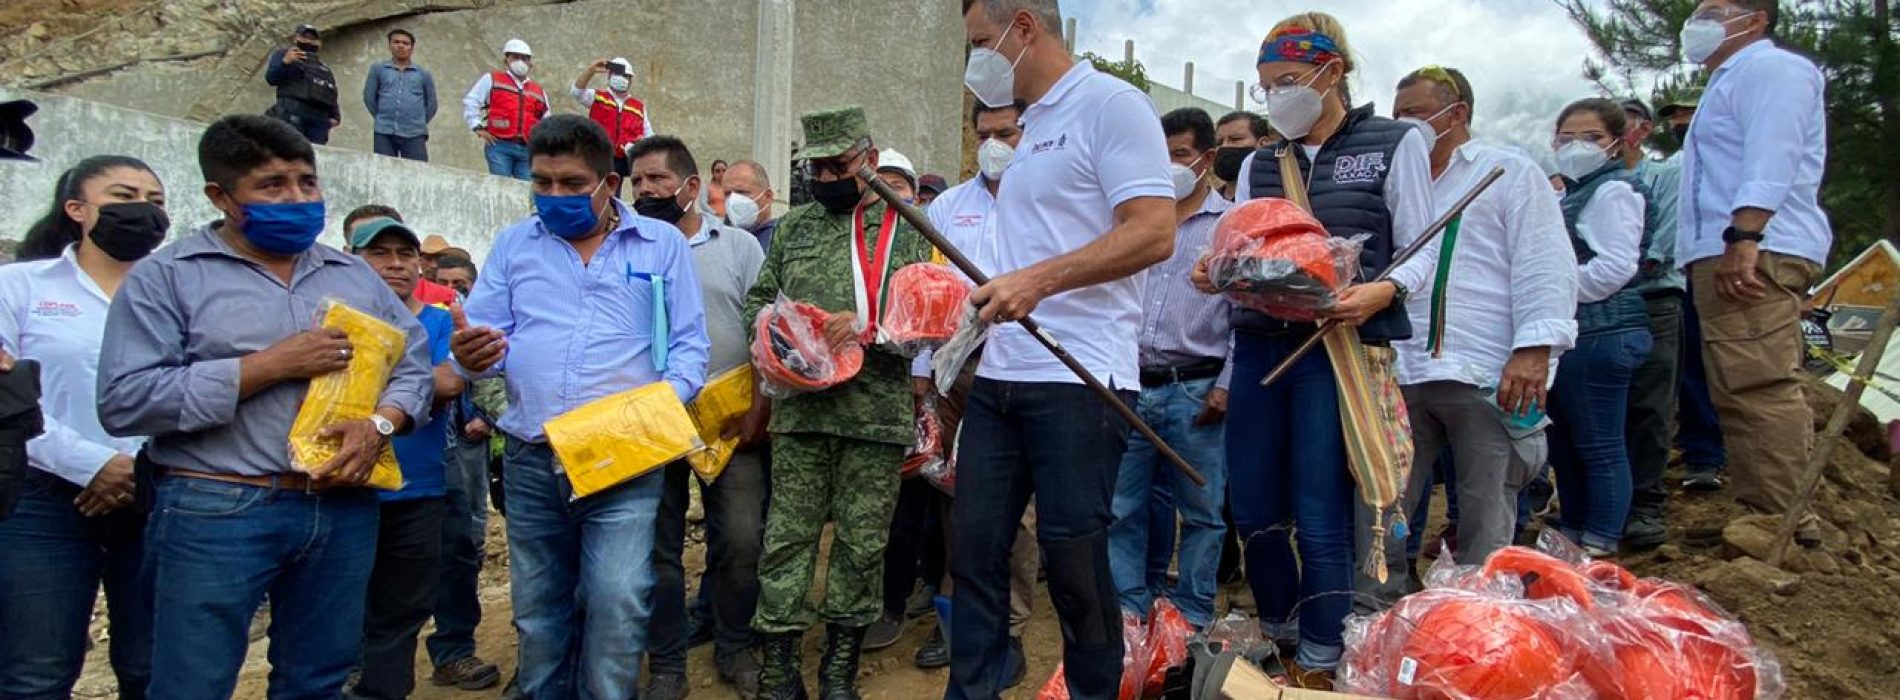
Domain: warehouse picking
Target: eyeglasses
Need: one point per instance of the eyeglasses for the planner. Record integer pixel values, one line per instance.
(1590, 136)
(1722, 14)
(842, 166)
(1259, 91)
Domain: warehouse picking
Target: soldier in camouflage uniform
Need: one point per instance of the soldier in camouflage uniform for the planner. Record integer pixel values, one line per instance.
(835, 452)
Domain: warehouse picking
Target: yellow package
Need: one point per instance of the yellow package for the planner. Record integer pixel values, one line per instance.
(615, 439)
(725, 398)
(351, 394)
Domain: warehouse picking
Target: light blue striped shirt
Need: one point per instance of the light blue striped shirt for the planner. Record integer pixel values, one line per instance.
(1179, 324)
(578, 332)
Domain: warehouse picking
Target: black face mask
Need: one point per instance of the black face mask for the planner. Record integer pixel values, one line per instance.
(1681, 132)
(838, 196)
(664, 208)
(128, 231)
(1227, 162)
(309, 48)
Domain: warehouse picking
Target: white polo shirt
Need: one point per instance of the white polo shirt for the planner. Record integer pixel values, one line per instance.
(1090, 144)
(966, 215)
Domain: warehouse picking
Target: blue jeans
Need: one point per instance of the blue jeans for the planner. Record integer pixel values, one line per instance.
(458, 606)
(216, 549)
(52, 561)
(1698, 430)
(1287, 477)
(1162, 530)
(1019, 439)
(582, 577)
(410, 147)
(1171, 411)
(507, 159)
(1444, 472)
(1589, 404)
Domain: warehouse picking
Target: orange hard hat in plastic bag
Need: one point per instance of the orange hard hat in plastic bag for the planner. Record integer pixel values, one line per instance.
(1650, 658)
(925, 304)
(1475, 647)
(1544, 576)
(792, 355)
(1272, 256)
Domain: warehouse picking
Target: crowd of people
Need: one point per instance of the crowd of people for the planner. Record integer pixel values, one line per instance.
(1576, 321)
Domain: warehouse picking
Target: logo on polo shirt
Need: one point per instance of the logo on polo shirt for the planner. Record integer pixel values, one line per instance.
(1360, 169)
(47, 308)
(967, 220)
(1055, 144)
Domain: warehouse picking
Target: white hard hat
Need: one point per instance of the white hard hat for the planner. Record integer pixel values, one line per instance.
(624, 64)
(517, 46)
(890, 159)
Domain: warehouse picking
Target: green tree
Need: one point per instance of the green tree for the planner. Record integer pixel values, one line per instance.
(1129, 70)
(1853, 43)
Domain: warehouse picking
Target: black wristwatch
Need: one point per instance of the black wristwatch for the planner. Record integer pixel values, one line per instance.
(1399, 292)
(1733, 235)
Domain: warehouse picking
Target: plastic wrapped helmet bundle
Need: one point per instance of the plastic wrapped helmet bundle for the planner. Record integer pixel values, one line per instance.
(791, 354)
(1271, 256)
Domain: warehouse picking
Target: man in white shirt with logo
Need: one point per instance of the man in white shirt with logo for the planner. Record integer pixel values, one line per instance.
(1087, 205)
(1753, 237)
(1488, 327)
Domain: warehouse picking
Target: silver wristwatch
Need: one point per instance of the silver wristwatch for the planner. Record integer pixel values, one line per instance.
(383, 425)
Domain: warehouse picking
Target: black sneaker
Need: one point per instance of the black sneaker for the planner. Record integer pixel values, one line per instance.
(1645, 532)
(467, 673)
(667, 686)
(935, 653)
(1702, 478)
(883, 633)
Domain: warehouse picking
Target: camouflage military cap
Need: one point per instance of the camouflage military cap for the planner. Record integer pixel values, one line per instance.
(829, 133)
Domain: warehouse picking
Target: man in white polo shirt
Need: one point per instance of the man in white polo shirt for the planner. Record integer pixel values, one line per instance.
(1087, 204)
(1753, 237)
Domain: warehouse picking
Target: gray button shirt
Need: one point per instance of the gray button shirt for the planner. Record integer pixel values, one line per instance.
(727, 261)
(183, 318)
(401, 99)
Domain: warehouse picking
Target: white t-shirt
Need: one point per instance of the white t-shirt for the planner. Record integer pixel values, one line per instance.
(1090, 144)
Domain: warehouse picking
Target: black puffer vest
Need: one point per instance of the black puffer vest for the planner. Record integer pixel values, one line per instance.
(1348, 194)
(1624, 310)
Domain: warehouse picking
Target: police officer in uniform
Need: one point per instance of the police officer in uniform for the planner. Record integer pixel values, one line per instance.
(306, 89)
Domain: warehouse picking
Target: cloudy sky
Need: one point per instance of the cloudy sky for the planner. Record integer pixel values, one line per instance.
(1524, 57)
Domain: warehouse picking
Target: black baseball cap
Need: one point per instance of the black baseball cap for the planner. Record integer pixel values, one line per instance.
(16, 138)
(307, 30)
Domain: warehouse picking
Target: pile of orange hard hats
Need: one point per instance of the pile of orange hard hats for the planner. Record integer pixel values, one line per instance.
(1551, 624)
(791, 354)
(1274, 257)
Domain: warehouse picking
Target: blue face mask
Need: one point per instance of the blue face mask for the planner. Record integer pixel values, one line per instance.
(568, 216)
(286, 228)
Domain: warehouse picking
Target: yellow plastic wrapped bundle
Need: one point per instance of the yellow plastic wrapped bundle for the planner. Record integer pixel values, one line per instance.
(725, 398)
(616, 439)
(352, 394)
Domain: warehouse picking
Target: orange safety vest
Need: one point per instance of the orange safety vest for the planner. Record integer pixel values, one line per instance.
(625, 122)
(513, 111)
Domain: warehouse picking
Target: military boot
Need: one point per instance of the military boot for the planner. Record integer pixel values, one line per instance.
(838, 671)
(779, 679)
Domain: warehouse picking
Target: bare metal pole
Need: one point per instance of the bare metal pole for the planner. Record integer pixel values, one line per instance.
(969, 269)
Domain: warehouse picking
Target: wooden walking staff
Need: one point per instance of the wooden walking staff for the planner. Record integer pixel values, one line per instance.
(969, 269)
(1824, 449)
(1431, 233)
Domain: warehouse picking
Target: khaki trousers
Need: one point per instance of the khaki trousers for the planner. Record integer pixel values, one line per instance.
(1753, 352)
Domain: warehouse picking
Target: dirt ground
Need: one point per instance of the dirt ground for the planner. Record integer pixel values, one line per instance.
(1831, 616)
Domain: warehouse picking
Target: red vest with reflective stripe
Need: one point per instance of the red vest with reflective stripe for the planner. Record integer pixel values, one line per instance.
(513, 111)
(625, 123)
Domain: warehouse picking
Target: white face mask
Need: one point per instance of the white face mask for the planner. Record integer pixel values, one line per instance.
(1183, 178)
(519, 68)
(991, 77)
(992, 158)
(741, 211)
(1580, 158)
(1294, 110)
(619, 83)
(1425, 128)
(1701, 38)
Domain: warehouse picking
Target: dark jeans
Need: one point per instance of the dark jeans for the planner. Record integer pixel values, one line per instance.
(1652, 407)
(402, 594)
(52, 562)
(1589, 405)
(314, 125)
(1020, 439)
(410, 147)
(1287, 480)
(1698, 430)
(458, 604)
(216, 549)
(1445, 471)
(735, 523)
(918, 503)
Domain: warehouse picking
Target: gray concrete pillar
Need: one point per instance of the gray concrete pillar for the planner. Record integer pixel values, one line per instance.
(1068, 34)
(774, 125)
(1187, 80)
(1128, 51)
(1240, 95)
